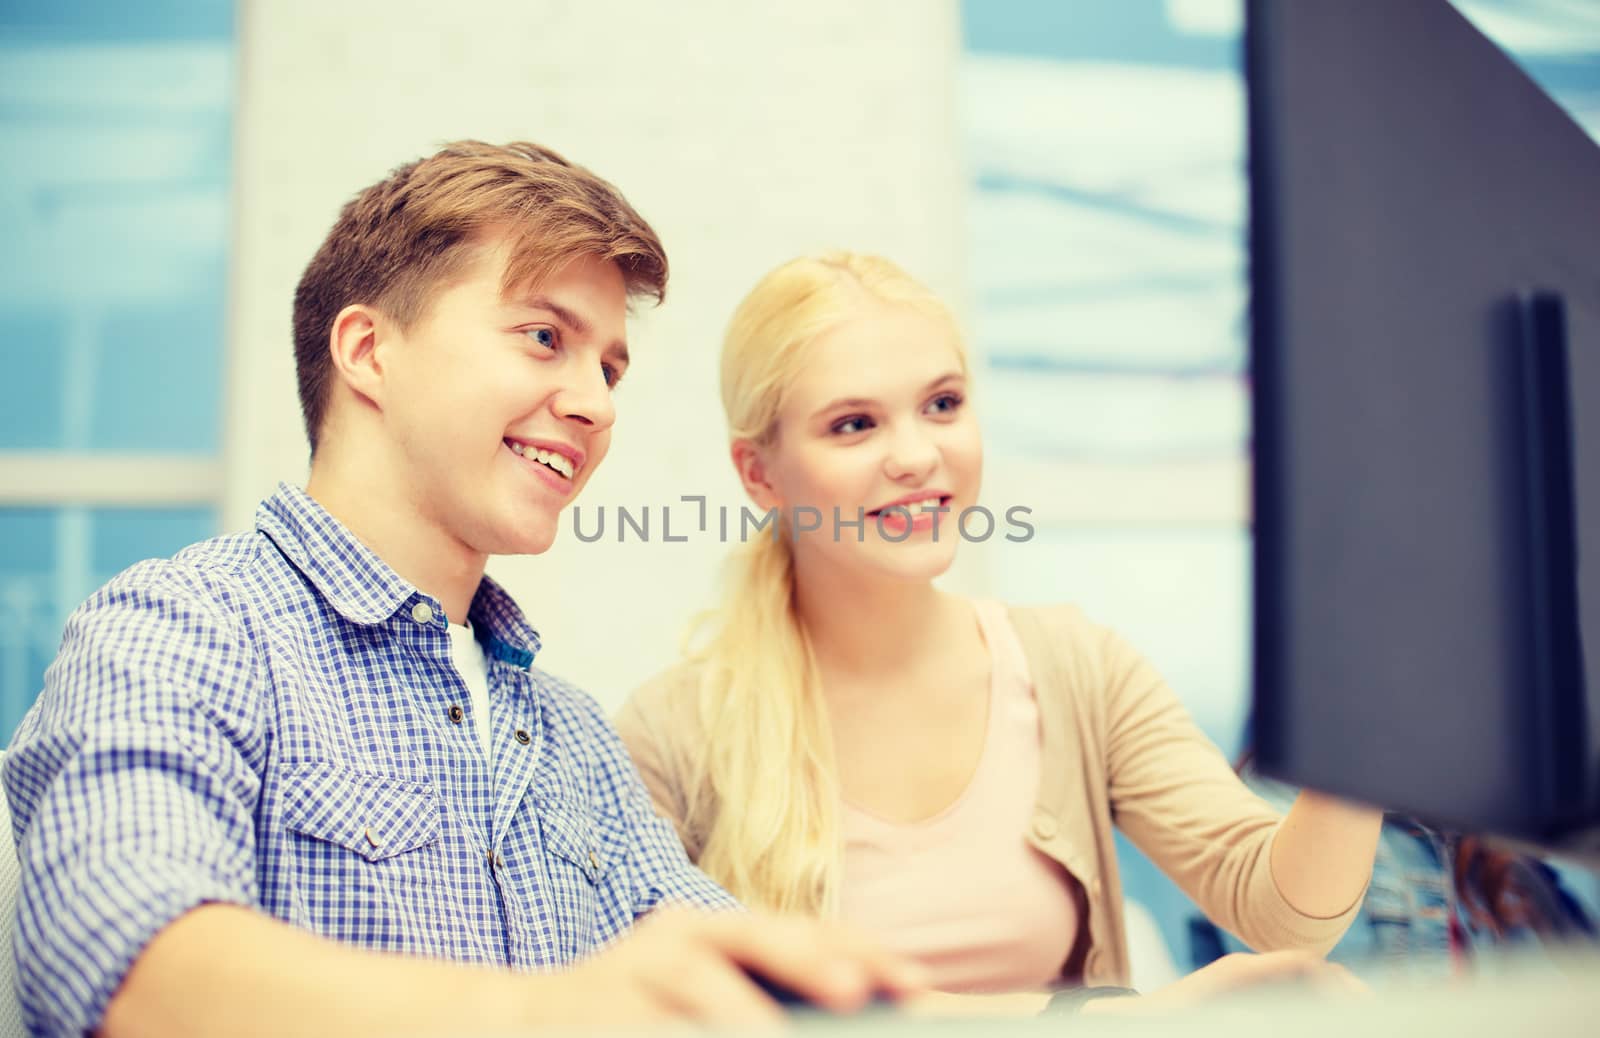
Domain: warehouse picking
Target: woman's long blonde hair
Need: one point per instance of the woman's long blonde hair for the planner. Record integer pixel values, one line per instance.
(766, 793)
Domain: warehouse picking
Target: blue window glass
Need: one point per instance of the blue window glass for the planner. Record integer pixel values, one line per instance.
(115, 143)
(115, 137)
(51, 559)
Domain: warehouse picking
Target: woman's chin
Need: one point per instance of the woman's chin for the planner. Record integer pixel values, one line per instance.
(925, 561)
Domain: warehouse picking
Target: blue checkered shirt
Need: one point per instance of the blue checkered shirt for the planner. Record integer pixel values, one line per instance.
(273, 719)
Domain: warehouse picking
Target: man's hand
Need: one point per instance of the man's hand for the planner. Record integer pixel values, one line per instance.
(276, 981)
(685, 965)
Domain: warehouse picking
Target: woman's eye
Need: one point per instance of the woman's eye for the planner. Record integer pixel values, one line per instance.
(945, 402)
(853, 424)
(545, 337)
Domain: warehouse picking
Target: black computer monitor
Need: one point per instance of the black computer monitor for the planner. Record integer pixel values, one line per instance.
(1425, 365)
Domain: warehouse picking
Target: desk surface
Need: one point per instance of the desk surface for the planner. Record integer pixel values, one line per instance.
(1550, 998)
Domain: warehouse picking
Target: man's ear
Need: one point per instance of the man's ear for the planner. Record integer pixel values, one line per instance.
(354, 344)
(751, 465)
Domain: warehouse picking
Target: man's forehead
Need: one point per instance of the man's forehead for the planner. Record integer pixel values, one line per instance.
(525, 265)
(591, 289)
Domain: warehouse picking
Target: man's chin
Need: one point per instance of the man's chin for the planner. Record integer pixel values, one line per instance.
(536, 545)
(525, 539)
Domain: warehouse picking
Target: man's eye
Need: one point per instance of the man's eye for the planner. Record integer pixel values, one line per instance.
(545, 337)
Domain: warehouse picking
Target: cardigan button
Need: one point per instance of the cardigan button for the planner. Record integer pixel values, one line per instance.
(1044, 827)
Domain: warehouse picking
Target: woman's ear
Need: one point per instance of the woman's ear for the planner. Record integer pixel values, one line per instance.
(353, 343)
(750, 462)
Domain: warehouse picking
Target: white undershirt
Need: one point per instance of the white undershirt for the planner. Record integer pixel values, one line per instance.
(473, 666)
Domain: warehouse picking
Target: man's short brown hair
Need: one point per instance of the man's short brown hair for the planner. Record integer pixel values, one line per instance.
(396, 242)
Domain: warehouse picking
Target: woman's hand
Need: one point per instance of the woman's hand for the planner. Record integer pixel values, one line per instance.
(1240, 972)
(1229, 975)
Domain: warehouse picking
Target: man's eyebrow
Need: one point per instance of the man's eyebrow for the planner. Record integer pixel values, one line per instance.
(575, 321)
(563, 314)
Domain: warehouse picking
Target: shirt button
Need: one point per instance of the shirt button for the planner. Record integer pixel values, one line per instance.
(523, 737)
(455, 714)
(371, 838)
(422, 613)
(1044, 827)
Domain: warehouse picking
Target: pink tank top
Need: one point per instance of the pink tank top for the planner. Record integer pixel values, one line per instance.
(963, 892)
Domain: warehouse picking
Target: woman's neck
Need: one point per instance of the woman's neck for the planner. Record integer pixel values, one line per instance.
(871, 628)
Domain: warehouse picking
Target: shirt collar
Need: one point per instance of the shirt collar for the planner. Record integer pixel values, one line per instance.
(363, 589)
(501, 626)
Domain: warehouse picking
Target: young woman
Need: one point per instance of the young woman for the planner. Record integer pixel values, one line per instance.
(940, 772)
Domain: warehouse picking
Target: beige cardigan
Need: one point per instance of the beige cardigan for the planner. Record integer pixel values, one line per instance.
(1118, 748)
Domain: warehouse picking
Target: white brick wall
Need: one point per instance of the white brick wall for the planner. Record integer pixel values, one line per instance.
(745, 132)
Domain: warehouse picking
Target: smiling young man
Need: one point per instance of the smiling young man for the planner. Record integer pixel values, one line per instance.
(306, 778)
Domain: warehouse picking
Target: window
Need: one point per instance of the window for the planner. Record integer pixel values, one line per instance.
(115, 132)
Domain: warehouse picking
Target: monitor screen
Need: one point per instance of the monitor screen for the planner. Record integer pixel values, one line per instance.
(1425, 365)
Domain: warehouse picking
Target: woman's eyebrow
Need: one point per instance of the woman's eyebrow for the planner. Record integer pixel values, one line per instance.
(842, 402)
(866, 402)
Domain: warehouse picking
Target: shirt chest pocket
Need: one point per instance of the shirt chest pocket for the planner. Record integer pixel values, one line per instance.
(366, 852)
(586, 855)
(373, 815)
